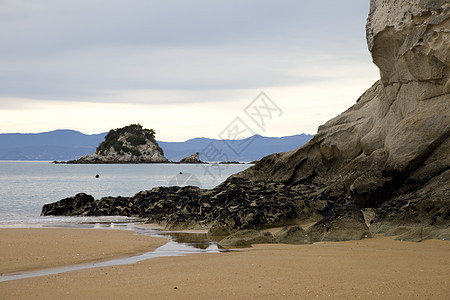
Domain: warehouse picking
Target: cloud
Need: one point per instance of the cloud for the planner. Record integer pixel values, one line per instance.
(94, 50)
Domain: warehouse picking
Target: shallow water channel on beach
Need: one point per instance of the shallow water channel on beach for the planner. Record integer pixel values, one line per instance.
(180, 243)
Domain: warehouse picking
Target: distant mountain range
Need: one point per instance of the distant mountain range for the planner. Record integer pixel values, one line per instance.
(246, 150)
(70, 144)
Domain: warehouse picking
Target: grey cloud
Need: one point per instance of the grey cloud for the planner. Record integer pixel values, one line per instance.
(76, 50)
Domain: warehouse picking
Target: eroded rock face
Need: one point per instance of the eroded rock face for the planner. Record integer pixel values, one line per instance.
(409, 40)
(395, 140)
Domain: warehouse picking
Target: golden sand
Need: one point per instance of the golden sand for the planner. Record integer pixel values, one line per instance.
(377, 268)
(35, 248)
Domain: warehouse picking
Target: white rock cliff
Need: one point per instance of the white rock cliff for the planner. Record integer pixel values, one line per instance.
(393, 144)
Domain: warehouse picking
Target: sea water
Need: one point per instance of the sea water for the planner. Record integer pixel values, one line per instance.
(25, 186)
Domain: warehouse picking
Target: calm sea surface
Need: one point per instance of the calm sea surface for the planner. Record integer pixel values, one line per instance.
(26, 186)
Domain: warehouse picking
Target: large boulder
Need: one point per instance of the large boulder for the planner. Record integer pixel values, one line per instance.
(342, 223)
(294, 234)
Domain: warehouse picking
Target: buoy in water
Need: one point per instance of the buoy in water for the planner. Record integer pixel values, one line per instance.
(97, 176)
(181, 172)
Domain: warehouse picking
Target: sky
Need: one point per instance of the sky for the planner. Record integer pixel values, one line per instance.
(187, 69)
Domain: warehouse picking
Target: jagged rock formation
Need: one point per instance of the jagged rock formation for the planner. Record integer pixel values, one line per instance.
(232, 206)
(192, 159)
(130, 144)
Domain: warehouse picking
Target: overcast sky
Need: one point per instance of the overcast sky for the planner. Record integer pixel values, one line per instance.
(184, 68)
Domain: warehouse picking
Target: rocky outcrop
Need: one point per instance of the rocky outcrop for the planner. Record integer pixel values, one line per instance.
(391, 149)
(192, 159)
(130, 144)
(235, 205)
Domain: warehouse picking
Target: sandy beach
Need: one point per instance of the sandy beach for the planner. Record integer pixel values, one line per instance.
(35, 248)
(377, 268)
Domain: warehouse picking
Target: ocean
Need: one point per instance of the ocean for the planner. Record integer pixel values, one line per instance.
(25, 186)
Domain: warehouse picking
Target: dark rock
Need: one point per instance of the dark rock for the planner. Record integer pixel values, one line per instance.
(72, 206)
(232, 206)
(425, 206)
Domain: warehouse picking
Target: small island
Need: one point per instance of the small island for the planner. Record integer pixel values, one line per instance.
(133, 144)
(192, 159)
(129, 144)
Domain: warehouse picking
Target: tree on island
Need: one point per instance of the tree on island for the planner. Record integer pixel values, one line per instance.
(137, 135)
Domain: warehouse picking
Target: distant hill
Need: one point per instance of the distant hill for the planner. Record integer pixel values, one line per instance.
(246, 150)
(53, 145)
(70, 144)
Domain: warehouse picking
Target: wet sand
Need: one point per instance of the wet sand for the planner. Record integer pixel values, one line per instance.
(378, 268)
(38, 248)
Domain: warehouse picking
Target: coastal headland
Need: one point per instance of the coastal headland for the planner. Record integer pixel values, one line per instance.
(381, 167)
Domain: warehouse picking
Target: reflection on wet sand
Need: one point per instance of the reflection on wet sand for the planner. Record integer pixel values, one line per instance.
(197, 240)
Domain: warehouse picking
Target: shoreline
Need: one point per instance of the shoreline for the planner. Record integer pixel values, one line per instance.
(76, 162)
(370, 268)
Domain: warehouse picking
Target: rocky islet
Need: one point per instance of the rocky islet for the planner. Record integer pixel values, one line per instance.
(191, 159)
(129, 144)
